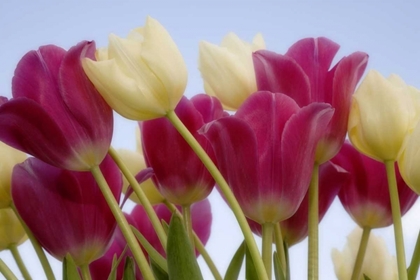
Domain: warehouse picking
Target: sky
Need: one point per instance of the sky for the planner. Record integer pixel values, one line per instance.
(386, 30)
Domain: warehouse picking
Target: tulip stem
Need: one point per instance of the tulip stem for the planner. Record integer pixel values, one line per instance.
(37, 247)
(84, 269)
(7, 273)
(267, 246)
(186, 214)
(278, 237)
(396, 218)
(123, 224)
(198, 245)
(313, 220)
(16, 255)
(361, 254)
(225, 189)
(415, 261)
(157, 226)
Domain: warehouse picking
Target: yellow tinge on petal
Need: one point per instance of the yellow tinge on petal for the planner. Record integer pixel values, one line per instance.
(377, 264)
(9, 157)
(228, 69)
(383, 111)
(141, 77)
(11, 230)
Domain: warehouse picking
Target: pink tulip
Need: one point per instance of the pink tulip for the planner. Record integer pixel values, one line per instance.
(366, 196)
(179, 174)
(56, 114)
(201, 222)
(266, 152)
(305, 74)
(64, 209)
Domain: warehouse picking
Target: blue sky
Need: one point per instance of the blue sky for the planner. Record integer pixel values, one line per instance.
(386, 30)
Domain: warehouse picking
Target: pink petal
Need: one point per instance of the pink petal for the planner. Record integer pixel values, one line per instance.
(209, 107)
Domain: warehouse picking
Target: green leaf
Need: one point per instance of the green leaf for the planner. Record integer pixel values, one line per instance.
(129, 269)
(278, 271)
(250, 272)
(232, 273)
(70, 271)
(365, 277)
(158, 272)
(182, 263)
(153, 254)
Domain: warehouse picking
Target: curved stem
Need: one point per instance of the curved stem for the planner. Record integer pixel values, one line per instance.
(278, 237)
(37, 247)
(224, 187)
(361, 254)
(198, 245)
(413, 269)
(123, 224)
(267, 246)
(157, 226)
(7, 273)
(16, 255)
(186, 214)
(84, 269)
(396, 217)
(313, 221)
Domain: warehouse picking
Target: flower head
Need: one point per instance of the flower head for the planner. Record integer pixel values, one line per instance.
(141, 77)
(56, 114)
(11, 230)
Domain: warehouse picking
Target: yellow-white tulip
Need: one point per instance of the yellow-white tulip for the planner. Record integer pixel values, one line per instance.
(377, 264)
(141, 77)
(228, 69)
(383, 112)
(9, 157)
(11, 230)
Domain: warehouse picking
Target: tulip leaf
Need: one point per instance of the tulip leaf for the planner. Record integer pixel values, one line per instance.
(250, 272)
(232, 273)
(365, 277)
(158, 272)
(182, 263)
(70, 271)
(278, 271)
(129, 269)
(153, 254)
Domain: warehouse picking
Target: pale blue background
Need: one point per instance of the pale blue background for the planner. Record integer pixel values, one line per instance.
(386, 30)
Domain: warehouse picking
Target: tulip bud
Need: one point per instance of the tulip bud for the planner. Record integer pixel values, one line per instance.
(141, 77)
(228, 70)
(11, 230)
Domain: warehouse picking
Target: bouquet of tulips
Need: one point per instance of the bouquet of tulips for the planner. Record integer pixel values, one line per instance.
(270, 134)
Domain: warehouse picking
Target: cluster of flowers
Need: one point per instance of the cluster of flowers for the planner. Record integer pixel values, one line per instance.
(279, 157)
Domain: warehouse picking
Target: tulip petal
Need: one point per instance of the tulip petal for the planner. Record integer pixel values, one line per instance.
(209, 107)
(280, 73)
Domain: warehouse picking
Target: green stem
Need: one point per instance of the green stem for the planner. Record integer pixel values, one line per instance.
(278, 237)
(357, 270)
(7, 273)
(16, 255)
(157, 226)
(267, 246)
(123, 224)
(415, 261)
(186, 214)
(37, 247)
(84, 269)
(396, 217)
(313, 221)
(198, 245)
(224, 187)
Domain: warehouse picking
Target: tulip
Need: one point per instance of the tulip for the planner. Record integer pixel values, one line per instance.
(366, 195)
(305, 73)
(9, 158)
(228, 71)
(11, 230)
(261, 149)
(65, 210)
(180, 176)
(142, 77)
(56, 114)
(378, 263)
(383, 112)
